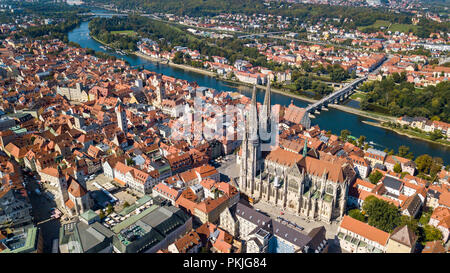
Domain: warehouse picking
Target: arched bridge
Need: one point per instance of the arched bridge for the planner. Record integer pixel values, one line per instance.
(335, 97)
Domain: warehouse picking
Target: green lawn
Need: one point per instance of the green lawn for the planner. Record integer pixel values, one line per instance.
(358, 96)
(402, 28)
(125, 32)
(392, 28)
(377, 25)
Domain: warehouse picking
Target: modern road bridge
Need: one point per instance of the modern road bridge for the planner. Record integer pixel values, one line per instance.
(103, 14)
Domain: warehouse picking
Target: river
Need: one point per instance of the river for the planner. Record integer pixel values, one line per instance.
(333, 119)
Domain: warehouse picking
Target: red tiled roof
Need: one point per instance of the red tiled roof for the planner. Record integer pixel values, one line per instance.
(365, 230)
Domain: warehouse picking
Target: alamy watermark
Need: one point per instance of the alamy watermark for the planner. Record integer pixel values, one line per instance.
(207, 121)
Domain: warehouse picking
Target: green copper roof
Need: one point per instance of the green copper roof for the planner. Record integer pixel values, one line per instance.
(89, 215)
(30, 242)
(117, 228)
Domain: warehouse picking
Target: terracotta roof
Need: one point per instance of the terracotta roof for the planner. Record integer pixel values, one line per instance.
(207, 183)
(404, 235)
(139, 176)
(332, 170)
(365, 230)
(223, 242)
(76, 190)
(187, 176)
(434, 247)
(166, 190)
(122, 168)
(209, 205)
(442, 215)
(206, 170)
(283, 157)
(188, 241)
(444, 199)
(294, 114)
(187, 200)
(70, 204)
(364, 183)
(227, 188)
(52, 171)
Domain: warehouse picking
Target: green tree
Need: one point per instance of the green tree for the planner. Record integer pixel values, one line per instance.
(436, 134)
(381, 214)
(344, 135)
(423, 163)
(436, 166)
(403, 151)
(130, 162)
(126, 204)
(412, 223)
(398, 168)
(101, 214)
(375, 176)
(178, 58)
(425, 217)
(361, 140)
(109, 209)
(431, 233)
(356, 214)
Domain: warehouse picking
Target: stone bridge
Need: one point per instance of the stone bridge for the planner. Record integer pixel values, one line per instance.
(335, 97)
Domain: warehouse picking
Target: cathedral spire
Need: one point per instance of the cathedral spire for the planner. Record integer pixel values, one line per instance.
(265, 113)
(267, 99)
(253, 118)
(305, 148)
(254, 95)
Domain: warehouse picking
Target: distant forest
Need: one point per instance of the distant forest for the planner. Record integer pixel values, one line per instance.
(357, 16)
(361, 16)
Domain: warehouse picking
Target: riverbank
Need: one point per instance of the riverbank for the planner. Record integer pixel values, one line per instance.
(351, 110)
(333, 120)
(347, 109)
(108, 45)
(379, 125)
(181, 66)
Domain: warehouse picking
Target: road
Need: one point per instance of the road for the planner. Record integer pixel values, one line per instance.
(227, 167)
(41, 207)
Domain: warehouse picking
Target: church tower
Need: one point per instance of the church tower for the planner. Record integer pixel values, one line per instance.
(244, 155)
(160, 93)
(121, 118)
(265, 112)
(251, 148)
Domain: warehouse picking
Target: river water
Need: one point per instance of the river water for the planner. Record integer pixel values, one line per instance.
(333, 119)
